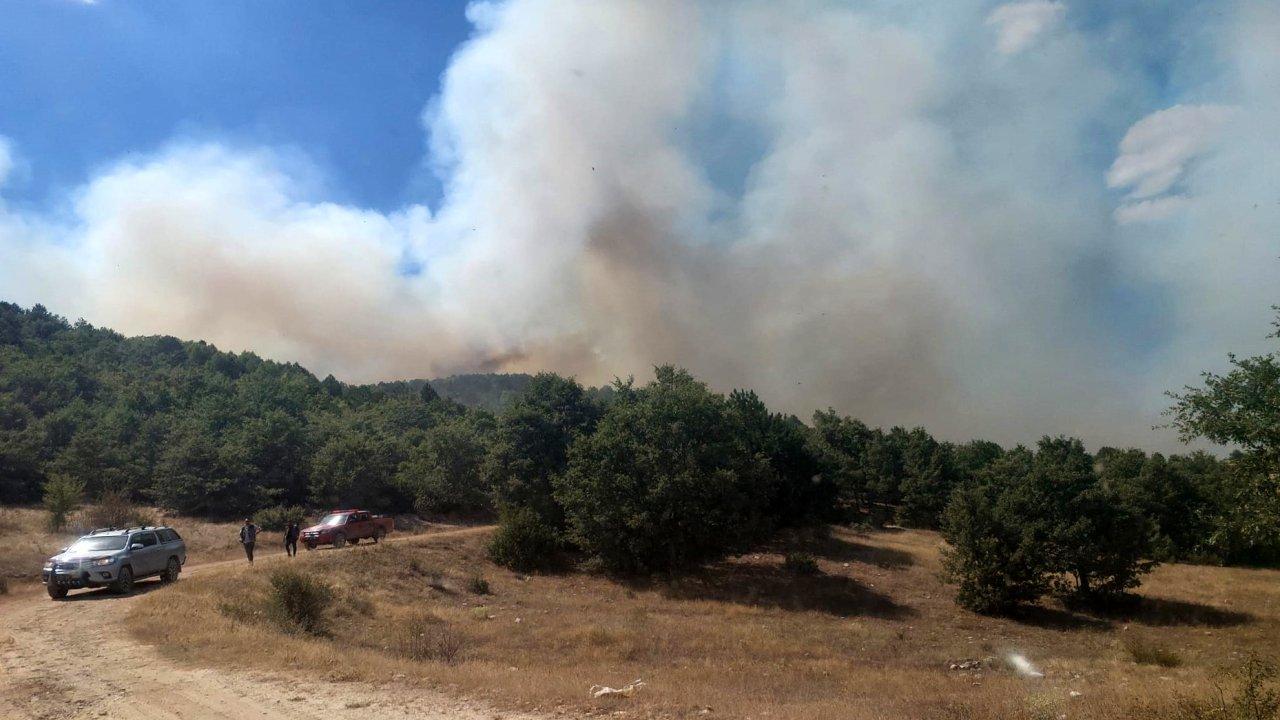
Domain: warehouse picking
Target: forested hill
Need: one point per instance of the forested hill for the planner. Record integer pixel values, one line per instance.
(189, 427)
(491, 391)
(86, 411)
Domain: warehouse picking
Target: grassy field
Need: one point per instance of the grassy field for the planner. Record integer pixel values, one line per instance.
(873, 635)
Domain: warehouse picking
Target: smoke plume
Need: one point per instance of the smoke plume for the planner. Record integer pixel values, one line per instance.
(985, 221)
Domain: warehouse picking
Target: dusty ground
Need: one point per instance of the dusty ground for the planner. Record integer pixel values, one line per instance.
(75, 659)
(874, 635)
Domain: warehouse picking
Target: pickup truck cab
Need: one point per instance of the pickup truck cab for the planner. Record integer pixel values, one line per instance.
(346, 526)
(115, 557)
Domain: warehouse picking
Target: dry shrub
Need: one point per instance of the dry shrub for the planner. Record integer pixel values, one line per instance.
(800, 563)
(427, 637)
(114, 509)
(1148, 652)
(239, 611)
(4, 585)
(477, 585)
(1255, 698)
(298, 602)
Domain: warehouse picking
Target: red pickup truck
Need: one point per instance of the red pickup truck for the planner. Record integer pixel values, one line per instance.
(348, 526)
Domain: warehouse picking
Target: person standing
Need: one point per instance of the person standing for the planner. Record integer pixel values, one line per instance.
(248, 536)
(291, 534)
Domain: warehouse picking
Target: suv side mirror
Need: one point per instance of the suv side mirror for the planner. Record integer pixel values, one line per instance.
(136, 546)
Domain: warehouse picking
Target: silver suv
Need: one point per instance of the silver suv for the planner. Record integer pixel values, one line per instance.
(114, 558)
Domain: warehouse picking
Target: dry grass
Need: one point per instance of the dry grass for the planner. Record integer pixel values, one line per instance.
(873, 634)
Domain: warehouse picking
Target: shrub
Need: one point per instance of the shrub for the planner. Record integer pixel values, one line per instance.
(477, 585)
(298, 602)
(1147, 652)
(427, 637)
(62, 495)
(114, 509)
(1256, 697)
(4, 585)
(524, 541)
(800, 563)
(275, 519)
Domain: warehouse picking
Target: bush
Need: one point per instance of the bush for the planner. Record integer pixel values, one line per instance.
(298, 602)
(427, 637)
(663, 484)
(800, 563)
(524, 541)
(4, 585)
(1147, 652)
(275, 519)
(114, 509)
(62, 495)
(1256, 697)
(477, 585)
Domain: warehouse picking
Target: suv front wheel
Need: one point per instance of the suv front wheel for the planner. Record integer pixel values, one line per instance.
(57, 592)
(338, 539)
(124, 581)
(171, 571)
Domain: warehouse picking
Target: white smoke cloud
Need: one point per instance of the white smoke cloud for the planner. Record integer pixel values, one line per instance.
(918, 235)
(1019, 24)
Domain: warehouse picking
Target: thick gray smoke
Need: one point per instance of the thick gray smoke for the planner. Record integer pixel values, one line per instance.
(906, 215)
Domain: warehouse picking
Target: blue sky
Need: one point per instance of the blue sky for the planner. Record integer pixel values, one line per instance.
(991, 218)
(346, 83)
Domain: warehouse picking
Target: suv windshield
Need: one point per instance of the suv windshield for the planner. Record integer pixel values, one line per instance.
(92, 544)
(335, 519)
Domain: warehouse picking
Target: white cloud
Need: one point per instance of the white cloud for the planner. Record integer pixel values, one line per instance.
(1152, 210)
(1155, 153)
(1019, 24)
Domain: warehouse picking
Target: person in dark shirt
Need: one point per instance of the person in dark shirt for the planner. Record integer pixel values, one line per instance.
(248, 536)
(291, 534)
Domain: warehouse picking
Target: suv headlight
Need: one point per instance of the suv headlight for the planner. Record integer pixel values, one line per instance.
(48, 565)
(102, 561)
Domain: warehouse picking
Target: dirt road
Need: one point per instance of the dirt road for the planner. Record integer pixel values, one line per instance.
(74, 659)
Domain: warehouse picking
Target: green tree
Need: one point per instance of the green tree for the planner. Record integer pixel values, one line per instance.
(801, 492)
(531, 444)
(996, 557)
(445, 472)
(62, 496)
(928, 477)
(662, 484)
(1242, 409)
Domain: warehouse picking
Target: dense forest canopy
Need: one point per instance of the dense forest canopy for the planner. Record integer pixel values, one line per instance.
(196, 430)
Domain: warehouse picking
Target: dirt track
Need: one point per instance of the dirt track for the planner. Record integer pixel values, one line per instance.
(74, 659)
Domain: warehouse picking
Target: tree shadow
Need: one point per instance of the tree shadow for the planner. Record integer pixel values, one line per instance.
(761, 585)
(1052, 618)
(1166, 612)
(1153, 611)
(842, 550)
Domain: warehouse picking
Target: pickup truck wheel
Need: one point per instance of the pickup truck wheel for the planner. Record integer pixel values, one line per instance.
(353, 541)
(379, 534)
(310, 546)
(171, 571)
(57, 592)
(338, 539)
(124, 581)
